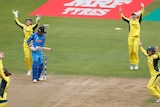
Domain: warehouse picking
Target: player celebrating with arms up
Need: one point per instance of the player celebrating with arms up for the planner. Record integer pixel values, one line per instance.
(4, 84)
(134, 36)
(153, 57)
(38, 40)
(28, 29)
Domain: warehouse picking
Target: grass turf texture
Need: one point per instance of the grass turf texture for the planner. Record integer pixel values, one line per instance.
(80, 46)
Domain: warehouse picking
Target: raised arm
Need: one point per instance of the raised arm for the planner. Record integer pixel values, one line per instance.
(142, 49)
(122, 15)
(34, 26)
(15, 12)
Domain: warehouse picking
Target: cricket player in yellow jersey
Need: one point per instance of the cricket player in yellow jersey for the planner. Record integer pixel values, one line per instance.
(134, 36)
(28, 29)
(4, 84)
(153, 58)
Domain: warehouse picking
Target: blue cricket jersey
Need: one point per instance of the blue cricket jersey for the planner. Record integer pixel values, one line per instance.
(38, 40)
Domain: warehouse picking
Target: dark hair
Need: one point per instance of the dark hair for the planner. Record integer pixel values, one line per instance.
(29, 19)
(6, 72)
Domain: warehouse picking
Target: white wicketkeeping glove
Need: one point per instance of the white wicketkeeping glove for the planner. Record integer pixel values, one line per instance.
(15, 12)
(38, 17)
(33, 48)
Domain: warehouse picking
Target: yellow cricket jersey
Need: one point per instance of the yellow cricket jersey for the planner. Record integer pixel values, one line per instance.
(134, 24)
(5, 81)
(27, 30)
(152, 62)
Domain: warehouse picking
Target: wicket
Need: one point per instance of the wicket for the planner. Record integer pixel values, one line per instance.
(44, 72)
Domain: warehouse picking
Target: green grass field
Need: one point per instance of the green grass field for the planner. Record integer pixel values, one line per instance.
(80, 46)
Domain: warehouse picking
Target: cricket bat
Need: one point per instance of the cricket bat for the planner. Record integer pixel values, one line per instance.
(47, 49)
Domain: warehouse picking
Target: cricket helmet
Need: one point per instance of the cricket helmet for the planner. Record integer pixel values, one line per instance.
(42, 29)
(151, 48)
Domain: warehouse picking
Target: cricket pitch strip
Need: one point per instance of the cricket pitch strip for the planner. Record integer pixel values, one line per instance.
(77, 91)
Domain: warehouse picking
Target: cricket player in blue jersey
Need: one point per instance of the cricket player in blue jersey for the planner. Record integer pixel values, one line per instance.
(36, 42)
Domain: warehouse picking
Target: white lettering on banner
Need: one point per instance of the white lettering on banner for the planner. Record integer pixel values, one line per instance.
(100, 3)
(92, 7)
(85, 11)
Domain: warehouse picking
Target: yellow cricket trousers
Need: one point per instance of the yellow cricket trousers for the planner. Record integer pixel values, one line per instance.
(133, 49)
(28, 58)
(153, 85)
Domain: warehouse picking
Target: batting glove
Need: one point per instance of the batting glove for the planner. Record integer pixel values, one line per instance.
(39, 48)
(38, 17)
(33, 48)
(15, 12)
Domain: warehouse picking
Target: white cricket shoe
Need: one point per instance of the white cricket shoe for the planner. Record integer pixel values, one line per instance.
(41, 78)
(136, 67)
(157, 100)
(44, 77)
(29, 72)
(131, 66)
(34, 80)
